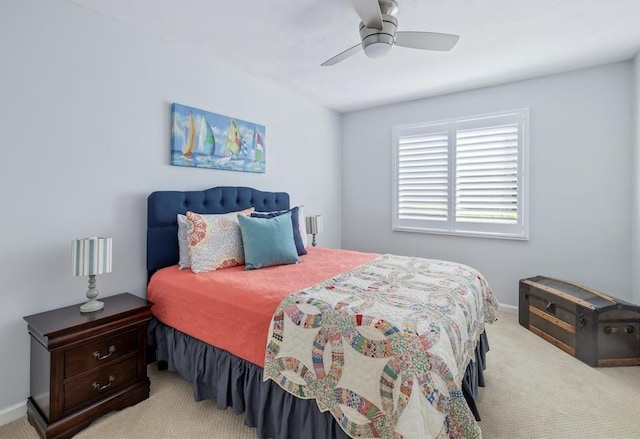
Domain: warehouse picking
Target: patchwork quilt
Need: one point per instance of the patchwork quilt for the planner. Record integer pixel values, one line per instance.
(384, 347)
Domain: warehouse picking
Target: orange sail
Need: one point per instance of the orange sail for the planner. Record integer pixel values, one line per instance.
(190, 138)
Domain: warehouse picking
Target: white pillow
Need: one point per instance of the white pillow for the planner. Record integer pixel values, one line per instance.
(302, 225)
(183, 244)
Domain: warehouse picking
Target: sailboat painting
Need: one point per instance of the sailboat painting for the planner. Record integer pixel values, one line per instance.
(202, 139)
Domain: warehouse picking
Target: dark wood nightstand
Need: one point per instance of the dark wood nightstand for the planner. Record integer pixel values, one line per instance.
(85, 365)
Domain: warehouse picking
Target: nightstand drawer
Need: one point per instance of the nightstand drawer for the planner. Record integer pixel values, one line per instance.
(99, 353)
(99, 384)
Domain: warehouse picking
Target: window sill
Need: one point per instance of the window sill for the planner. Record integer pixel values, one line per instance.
(477, 234)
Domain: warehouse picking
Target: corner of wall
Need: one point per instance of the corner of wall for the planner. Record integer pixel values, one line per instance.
(509, 309)
(635, 189)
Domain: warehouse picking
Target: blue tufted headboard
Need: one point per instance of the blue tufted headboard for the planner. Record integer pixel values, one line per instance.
(164, 206)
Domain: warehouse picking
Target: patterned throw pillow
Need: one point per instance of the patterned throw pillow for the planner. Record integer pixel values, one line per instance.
(215, 241)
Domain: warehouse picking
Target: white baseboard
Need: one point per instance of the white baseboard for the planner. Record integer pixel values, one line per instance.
(509, 309)
(13, 412)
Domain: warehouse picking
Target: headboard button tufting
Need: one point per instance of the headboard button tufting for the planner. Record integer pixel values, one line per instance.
(163, 207)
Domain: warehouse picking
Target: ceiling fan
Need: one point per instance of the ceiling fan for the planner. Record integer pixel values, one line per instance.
(378, 33)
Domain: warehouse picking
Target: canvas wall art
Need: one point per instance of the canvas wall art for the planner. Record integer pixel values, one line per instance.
(202, 139)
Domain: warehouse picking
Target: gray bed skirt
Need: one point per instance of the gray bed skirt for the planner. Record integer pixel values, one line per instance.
(236, 383)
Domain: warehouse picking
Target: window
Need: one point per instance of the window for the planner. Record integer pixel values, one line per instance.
(463, 177)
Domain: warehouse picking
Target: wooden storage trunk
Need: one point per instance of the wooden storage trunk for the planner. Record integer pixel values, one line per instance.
(594, 327)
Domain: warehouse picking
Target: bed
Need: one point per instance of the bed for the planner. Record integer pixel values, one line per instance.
(207, 328)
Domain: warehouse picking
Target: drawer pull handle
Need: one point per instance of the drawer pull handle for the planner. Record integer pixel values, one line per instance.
(98, 387)
(99, 357)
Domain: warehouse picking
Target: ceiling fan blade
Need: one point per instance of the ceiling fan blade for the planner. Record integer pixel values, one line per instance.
(426, 40)
(369, 12)
(343, 55)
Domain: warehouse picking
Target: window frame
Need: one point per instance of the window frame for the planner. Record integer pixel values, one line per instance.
(518, 231)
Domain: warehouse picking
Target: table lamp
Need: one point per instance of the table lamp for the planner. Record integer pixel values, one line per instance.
(91, 256)
(314, 226)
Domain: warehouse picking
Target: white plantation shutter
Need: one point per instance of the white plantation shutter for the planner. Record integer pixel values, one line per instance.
(462, 176)
(422, 176)
(487, 175)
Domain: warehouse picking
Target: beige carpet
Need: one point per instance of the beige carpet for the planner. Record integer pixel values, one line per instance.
(534, 390)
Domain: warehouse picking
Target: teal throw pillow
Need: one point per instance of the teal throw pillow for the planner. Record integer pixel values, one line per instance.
(267, 241)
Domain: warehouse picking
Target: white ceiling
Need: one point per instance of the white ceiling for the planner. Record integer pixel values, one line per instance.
(500, 40)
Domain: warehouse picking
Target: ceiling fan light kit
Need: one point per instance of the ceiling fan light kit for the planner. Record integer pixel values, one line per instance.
(378, 33)
(378, 42)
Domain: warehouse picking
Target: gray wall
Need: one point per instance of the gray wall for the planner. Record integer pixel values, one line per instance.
(635, 260)
(85, 123)
(580, 181)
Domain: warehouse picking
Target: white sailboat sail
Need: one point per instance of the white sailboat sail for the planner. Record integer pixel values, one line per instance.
(202, 136)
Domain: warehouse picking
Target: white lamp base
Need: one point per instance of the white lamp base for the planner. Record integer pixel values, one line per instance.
(91, 306)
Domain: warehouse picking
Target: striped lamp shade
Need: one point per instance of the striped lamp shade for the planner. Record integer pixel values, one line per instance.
(90, 256)
(314, 224)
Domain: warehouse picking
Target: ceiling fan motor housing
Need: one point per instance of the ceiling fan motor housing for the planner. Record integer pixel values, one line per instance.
(378, 42)
(378, 33)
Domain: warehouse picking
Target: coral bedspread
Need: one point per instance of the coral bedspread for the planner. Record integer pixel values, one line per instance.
(232, 308)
